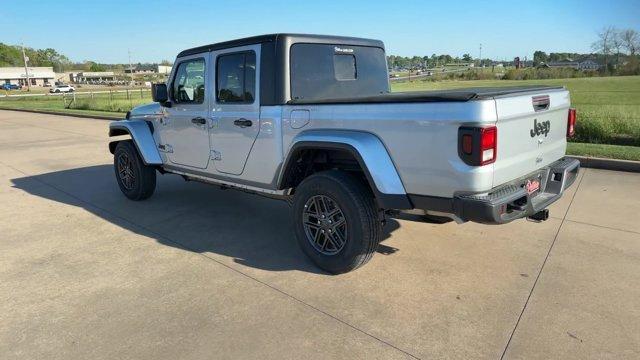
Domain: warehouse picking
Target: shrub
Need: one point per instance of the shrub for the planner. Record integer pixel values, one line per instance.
(545, 73)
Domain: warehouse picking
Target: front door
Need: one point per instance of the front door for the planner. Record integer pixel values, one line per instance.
(185, 127)
(236, 108)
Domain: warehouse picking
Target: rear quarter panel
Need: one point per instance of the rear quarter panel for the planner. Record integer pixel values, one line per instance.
(421, 139)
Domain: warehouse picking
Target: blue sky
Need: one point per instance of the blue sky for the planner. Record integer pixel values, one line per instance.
(103, 30)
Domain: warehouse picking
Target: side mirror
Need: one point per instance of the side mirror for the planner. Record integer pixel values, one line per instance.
(159, 93)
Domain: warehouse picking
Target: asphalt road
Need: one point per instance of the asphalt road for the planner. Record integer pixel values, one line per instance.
(196, 272)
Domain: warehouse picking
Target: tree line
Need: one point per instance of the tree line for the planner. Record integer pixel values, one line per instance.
(433, 61)
(611, 48)
(11, 55)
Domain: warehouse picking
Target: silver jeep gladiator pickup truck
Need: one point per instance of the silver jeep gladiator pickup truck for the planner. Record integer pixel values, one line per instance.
(310, 119)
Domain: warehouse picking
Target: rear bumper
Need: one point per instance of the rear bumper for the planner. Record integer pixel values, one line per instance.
(509, 201)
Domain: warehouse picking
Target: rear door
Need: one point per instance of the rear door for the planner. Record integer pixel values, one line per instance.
(235, 110)
(185, 126)
(532, 131)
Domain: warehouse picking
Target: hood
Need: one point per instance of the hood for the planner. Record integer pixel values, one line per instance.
(146, 109)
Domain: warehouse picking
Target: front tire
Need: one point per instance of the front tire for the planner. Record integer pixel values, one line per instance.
(136, 180)
(336, 221)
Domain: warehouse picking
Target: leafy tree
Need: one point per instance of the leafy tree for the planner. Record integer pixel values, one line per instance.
(467, 58)
(416, 62)
(93, 66)
(11, 55)
(540, 57)
(97, 67)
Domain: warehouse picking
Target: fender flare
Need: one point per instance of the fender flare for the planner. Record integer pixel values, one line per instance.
(142, 137)
(371, 155)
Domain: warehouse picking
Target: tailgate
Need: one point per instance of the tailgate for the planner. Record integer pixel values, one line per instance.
(532, 131)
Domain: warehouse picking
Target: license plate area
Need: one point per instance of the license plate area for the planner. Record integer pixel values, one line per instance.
(533, 184)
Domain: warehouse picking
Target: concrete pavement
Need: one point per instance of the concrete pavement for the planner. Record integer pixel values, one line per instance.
(197, 272)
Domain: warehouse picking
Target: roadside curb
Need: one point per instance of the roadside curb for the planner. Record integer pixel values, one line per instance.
(100, 117)
(608, 164)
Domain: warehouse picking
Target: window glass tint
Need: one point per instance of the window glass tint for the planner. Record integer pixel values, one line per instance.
(322, 71)
(188, 85)
(344, 67)
(236, 78)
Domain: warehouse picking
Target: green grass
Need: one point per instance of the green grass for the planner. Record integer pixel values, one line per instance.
(604, 151)
(608, 107)
(115, 104)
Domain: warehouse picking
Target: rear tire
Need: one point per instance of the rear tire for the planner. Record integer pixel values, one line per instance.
(136, 180)
(336, 221)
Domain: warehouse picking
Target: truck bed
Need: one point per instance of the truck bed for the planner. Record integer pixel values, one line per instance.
(456, 95)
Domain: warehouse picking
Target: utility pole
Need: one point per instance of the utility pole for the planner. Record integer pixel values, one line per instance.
(130, 67)
(480, 57)
(26, 70)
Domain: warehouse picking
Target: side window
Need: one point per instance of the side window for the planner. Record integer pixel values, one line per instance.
(188, 84)
(236, 78)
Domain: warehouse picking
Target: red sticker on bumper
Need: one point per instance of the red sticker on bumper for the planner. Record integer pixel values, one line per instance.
(532, 186)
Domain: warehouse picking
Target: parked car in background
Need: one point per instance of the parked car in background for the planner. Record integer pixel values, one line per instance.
(62, 88)
(10, 87)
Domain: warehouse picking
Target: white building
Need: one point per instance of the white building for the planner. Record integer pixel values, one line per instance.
(164, 69)
(589, 65)
(38, 76)
(92, 77)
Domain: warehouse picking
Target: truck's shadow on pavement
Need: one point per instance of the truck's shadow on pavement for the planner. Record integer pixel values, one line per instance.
(253, 230)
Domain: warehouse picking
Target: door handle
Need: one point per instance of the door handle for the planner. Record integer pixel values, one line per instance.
(243, 123)
(199, 120)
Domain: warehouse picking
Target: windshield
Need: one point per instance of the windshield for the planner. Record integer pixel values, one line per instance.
(324, 71)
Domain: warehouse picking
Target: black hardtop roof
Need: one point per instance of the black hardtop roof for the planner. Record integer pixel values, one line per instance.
(292, 38)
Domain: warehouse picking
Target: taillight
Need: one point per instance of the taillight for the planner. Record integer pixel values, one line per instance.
(467, 144)
(489, 141)
(571, 123)
(478, 146)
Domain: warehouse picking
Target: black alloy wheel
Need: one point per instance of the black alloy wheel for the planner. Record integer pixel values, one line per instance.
(125, 171)
(325, 225)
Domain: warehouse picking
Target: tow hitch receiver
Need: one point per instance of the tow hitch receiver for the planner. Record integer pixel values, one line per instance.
(540, 216)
